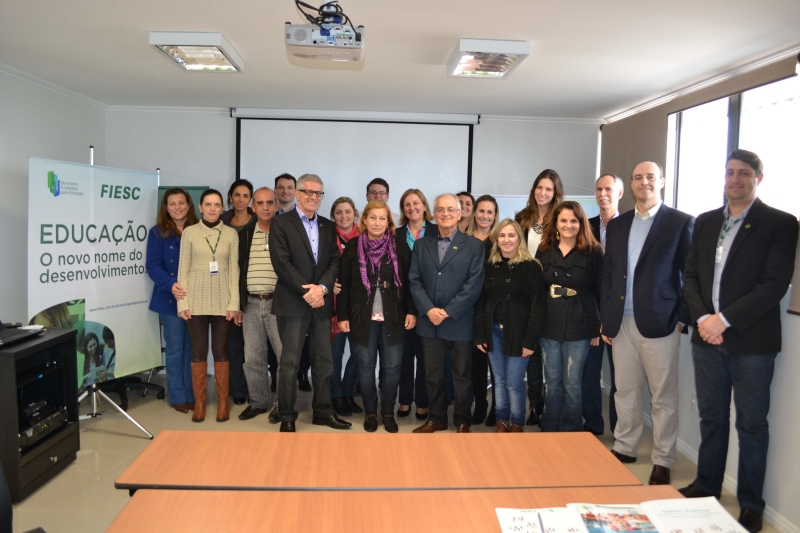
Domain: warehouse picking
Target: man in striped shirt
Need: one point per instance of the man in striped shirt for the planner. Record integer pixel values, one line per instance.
(257, 281)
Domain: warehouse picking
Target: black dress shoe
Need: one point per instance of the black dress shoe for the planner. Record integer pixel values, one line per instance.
(751, 519)
(533, 418)
(287, 427)
(302, 383)
(390, 424)
(421, 416)
(403, 414)
(622, 457)
(491, 419)
(371, 422)
(341, 407)
(351, 403)
(251, 412)
(693, 491)
(332, 421)
(239, 401)
(479, 414)
(273, 416)
(590, 430)
(659, 475)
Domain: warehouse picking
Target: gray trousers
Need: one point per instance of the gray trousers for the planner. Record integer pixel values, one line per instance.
(639, 361)
(259, 324)
(293, 332)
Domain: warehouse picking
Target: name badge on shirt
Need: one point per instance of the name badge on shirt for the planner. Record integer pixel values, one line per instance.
(718, 255)
(213, 266)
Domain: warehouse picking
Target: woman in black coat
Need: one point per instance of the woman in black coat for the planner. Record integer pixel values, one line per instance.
(508, 320)
(572, 261)
(376, 307)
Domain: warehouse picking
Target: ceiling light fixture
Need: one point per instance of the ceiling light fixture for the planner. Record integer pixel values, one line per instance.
(198, 52)
(484, 58)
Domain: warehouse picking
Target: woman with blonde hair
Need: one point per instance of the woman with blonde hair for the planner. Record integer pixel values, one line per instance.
(415, 222)
(376, 308)
(508, 320)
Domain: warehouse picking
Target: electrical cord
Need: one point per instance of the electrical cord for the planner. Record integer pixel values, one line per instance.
(322, 15)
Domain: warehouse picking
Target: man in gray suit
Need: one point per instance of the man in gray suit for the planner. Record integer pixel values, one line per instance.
(305, 257)
(446, 279)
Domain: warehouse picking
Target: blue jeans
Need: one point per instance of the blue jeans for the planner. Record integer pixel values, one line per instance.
(716, 374)
(592, 393)
(509, 381)
(563, 369)
(391, 363)
(346, 386)
(178, 355)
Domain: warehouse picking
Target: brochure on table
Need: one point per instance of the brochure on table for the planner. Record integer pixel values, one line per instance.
(698, 515)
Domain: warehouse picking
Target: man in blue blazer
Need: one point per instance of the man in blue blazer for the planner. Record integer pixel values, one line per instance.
(642, 310)
(446, 279)
(739, 267)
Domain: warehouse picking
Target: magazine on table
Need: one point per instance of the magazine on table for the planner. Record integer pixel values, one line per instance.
(697, 515)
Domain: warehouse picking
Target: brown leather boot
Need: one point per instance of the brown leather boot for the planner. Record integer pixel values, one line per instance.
(501, 427)
(516, 428)
(199, 377)
(181, 407)
(222, 371)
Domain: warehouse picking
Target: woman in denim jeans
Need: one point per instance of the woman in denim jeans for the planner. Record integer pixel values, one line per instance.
(344, 214)
(572, 264)
(163, 253)
(376, 307)
(508, 320)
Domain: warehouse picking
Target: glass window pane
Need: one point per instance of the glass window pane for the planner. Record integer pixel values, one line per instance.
(701, 158)
(770, 127)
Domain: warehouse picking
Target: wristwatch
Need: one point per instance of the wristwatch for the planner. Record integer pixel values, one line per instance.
(324, 289)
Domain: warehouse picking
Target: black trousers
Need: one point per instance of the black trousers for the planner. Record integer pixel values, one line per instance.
(480, 382)
(272, 359)
(198, 331)
(536, 381)
(305, 361)
(238, 384)
(293, 332)
(412, 387)
(461, 365)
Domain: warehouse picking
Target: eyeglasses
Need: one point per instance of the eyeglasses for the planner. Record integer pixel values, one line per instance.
(378, 193)
(310, 193)
(451, 210)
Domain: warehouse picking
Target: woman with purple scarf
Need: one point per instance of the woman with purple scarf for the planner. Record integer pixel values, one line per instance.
(376, 307)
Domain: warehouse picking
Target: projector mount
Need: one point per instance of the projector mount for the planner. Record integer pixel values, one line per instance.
(329, 13)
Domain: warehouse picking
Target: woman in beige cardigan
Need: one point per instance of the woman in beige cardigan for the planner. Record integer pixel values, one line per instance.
(209, 272)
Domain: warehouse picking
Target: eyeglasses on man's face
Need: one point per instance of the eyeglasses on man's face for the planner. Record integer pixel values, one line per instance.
(310, 193)
(451, 210)
(378, 193)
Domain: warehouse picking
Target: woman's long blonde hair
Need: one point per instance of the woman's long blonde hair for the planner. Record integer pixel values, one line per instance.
(495, 256)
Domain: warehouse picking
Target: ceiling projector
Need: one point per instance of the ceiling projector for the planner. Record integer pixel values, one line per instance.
(326, 41)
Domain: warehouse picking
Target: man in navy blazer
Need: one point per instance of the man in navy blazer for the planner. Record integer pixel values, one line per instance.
(739, 267)
(642, 310)
(446, 279)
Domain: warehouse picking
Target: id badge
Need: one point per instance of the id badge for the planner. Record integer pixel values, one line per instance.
(718, 255)
(213, 266)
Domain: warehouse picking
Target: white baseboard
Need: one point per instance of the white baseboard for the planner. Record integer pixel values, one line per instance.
(781, 523)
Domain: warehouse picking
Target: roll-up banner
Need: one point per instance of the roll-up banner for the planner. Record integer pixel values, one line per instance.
(87, 241)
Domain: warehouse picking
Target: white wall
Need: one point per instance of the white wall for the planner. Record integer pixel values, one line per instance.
(509, 152)
(36, 122)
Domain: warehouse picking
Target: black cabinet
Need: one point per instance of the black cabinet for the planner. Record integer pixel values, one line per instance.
(38, 409)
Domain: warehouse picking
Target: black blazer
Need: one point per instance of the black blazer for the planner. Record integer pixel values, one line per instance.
(245, 242)
(657, 288)
(354, 305)
(402, 232)
(594, 223)
(454, 285)
(522, 288)
(757, 274)
(293, 261)
(573, 318)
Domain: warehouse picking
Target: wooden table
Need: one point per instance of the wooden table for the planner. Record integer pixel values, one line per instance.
(172, 511)
(320, 461)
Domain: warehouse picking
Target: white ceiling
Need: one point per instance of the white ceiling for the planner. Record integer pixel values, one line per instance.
(589, 58)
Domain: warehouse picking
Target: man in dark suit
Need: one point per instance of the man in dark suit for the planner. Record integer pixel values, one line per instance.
(446, 280)
(739, 267)
(609, 188)
(305, 257)
(643, 310)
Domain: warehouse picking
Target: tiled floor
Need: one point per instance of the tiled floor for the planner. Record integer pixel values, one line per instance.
(82, 499)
